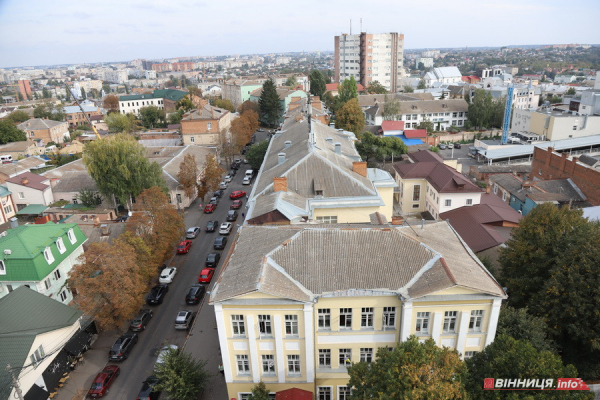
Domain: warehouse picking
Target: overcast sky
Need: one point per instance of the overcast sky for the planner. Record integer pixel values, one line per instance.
(42, 32)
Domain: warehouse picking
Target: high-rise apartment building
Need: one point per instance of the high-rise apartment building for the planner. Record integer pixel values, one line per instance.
(370, 57)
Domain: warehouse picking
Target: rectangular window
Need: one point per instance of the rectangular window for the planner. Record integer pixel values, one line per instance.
(264, 324)
(345, 357)
(422, 322)
(71, 236)
(469, 202)
(237, 322)
(38, 356)
(192, 139)
(343, 392)
(469, 354)
(324, 358)
(179, 198)
(328, 219)
(60, 246)
(57, 274)
(504, 195)
(366, 354)
(268, 363)
(324, 393)
(291, 325)
(21, 195)
(366, 318)
(324, 318)
(47, 283)
(476, 321)
(450, 321)
(416, 192)
(243, 365)
(209, 126)
(2, 268)
(293, 363)
(448, 202)
(345, 318)
(63, 295)
(389, 317)
(8, 209)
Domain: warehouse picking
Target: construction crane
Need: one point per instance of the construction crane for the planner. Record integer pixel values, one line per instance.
(82, 111)
(507, 113)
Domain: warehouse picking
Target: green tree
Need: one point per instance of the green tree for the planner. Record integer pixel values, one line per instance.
(176, 117)
(119, 123)
(260, 392)
(269, 104)
(181, 376)
(194, 91)
(520, 325)
(83, 96)
(330, 102)
(68, 94)
(426, 124)
(408, 89)
(412, 370)
(422, 84)
(481, 109)
(391, 109)
(291, 81)
(350, 117)
(508, 358)
(46, 93)
(185, 104)
(467, 98)
(225, 103)
(347, 90)
(550, 266)
(152, 117)
(376, 148)
(18, 116)
(120, 168)
(571, 92)
(49, 111)
(376, 88)
(10, 133)
(89, 197)
(256, 154)
(317, 83)
(188, 175)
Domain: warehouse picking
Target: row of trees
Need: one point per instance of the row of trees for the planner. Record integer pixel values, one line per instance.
(485, 111)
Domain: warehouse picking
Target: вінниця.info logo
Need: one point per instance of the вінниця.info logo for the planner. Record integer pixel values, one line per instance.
(535, 384)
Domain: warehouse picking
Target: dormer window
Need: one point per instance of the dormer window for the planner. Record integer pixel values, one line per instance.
(48, 255)
(60, 245)
(71, 236)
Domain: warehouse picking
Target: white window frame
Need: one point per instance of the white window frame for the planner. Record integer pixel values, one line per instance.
(47, 283)
(367, 317)
(48, 255)
(293, 364)
(291, 325)
(71, 236)
(268, 364)
(328, 219)
(264, 325)
(366, 354)
(347, 357)
(324, 358)
(450, 318)
(389, 317)
(57, 275)
(343, 392)
(60, 246)
(469, 202)
(21, 194)
(38, 356)
(2, 268)
(238, 324)
(346, 315)
(476, 320)
(448, 203)
(243, 364)
(469, 354)
(504, 195)
(324, 316)
(324, 393)
(63, 295)
(422, 326)
(209, 126)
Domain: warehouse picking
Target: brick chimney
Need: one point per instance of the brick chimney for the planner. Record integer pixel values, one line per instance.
(360, 167)
(280, 184)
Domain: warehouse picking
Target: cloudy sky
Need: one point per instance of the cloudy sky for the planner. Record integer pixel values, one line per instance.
(42, 32)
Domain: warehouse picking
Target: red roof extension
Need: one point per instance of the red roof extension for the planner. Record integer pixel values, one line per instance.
(392, 126)
(415, 133)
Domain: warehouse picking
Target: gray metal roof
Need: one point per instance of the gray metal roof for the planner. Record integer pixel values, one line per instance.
(523, 150)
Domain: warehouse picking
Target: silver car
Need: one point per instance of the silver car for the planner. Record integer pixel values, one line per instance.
(192, 232)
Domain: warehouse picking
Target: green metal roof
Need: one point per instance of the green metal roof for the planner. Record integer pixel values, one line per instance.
(32, 209)
(4, 191)
(26, 261)
(17, 333)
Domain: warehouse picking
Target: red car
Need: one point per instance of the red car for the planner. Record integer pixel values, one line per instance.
(237, 204)
(103, 381)
(237, 194)
(206, 275)
(210, 208)
(184, 247)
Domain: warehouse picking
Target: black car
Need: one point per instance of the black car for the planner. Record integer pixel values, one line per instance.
(235, 165)
(157, 294)
(122, 347)
(195, 294)
(232, 172)
(232, 215)
(139, 322)
(212, 260)
(122, 218)
(220, 243)
(457, 145)
(218, 193)
(212, 226)
(147, 392)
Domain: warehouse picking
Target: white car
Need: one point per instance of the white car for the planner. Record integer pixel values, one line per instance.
(227, 178)
(225, 228)
(450, 145)
(246, 180)
(223, 185)
(163, 353)
(167, 275)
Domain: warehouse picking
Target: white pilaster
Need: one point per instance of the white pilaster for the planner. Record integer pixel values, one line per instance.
(252, 347)
(436, 328)
(220, 318)
(463, 328)
(279, 350)
(493, 322)
(309, 340)
(407, 314)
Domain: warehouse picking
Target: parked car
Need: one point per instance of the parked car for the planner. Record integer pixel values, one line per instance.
(457, 145)
(214, 200)
(122, 218)
(206, 275)
(220, 243)
(442, 146)
(218, 193)
(245, 161)
(140, 321)
(236, 194)
(195, 294)
(148, 391)
(163, 353)
(122, 347)
(232, 172)
(246, 180)
(261, 130)
(232, 215)
(192, 232)
(212, 260)
(236, 205)
(184, 247)
(211, 226)
(450, 145)
(103, 381)
(225, 228)
(167, 275)
(157, 294)
(184, 320)
(223, 185)
(210, 208)
(235, 165)
(228, 179)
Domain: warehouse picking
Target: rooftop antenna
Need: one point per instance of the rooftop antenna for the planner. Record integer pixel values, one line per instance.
(351, 27)
(360, 25)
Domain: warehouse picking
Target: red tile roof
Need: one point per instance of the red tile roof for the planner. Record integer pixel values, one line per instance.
(30, 180)
(392, 126)
(293, 394)
(415, 133)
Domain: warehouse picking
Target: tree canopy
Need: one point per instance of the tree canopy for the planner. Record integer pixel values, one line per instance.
(10, 133)
(181, 376)
(211, 176)
(317, 83)
(185, 104)
(225, 103)
(117, 122)
(242, 129)
(291, 81)
(50, 111)
(378, 148)
(519, 324)
(350, 117)
(391, 109)
(119, 166)
(347, 90)
(485, 111)
(152, 117)
(269, 104)
(18, 116)
(188, 175)
(248, 105)
(376, 88)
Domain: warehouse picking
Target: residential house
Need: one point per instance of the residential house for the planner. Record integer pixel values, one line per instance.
(75, 117)
(69, 186)
(427, 184)
(8, 208)
(301, 79)
(40, 256)
(392, 128)
(202, 127)
(443, 113)
(21, 149)
(45, 130)
(238, 91)
(15, 168)
(294, 306)
(29, 188)
(286, 96)
(34, 346)
(313, 174)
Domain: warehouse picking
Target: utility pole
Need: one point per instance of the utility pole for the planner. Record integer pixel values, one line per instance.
(15, 382)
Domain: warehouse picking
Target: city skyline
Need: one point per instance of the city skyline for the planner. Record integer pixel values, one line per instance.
(64, 32)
